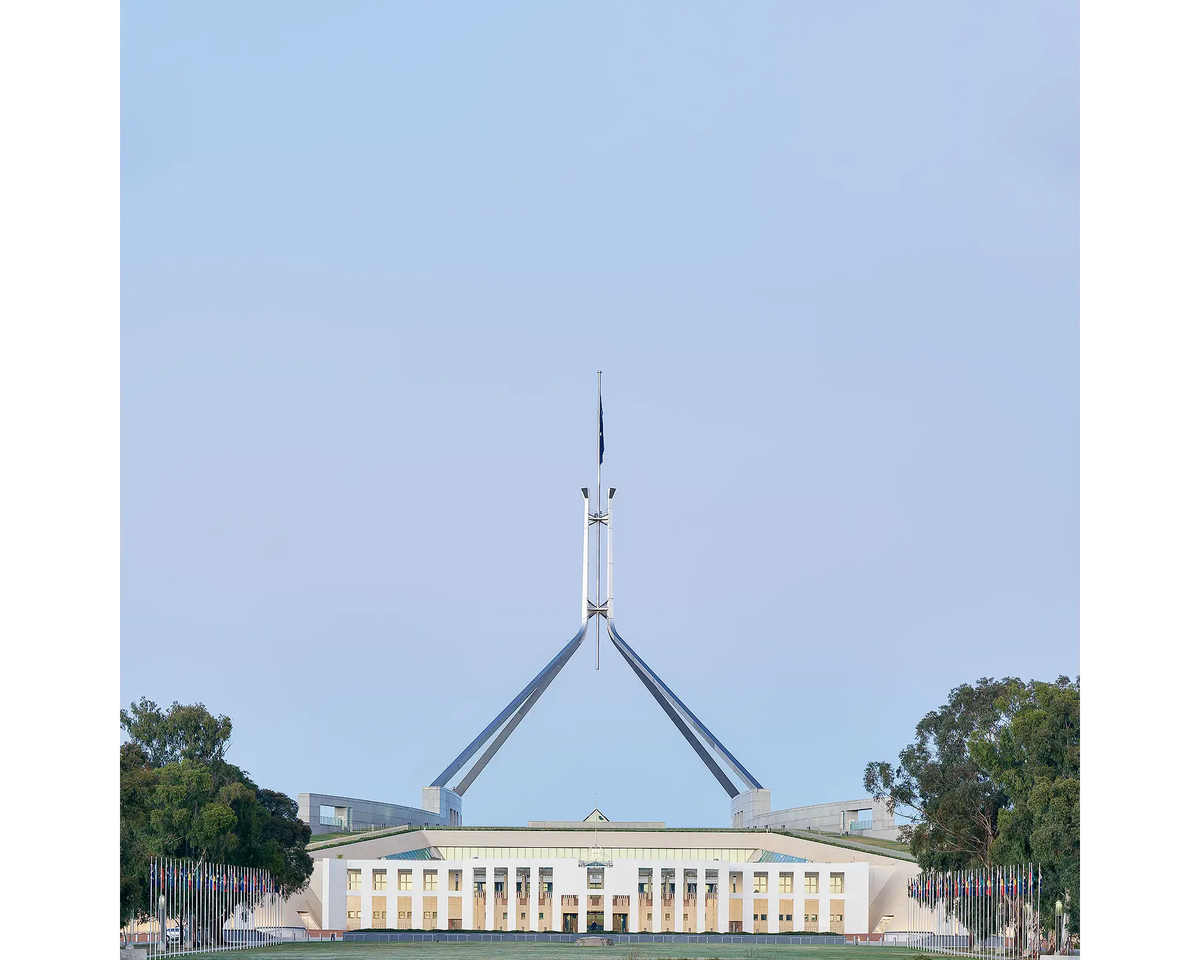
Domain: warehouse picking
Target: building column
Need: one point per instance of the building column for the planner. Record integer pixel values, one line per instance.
(513, 908)
(606, 899)
(489, 902)
(443, 899)
(773, 899)
(722, 899)
(701, 897)
(468, 893)
(680, 894)
(656, 892)
(823, 901)
(393, 919)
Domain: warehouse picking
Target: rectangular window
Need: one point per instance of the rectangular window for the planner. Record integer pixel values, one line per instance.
(430, 879)
(379, 879)
(735, 881)
(837, 883)
(785, 883)
(426, 914)
(760, 883)
(810, 883)
(789, 918)
(404, 879)
(353, 879)
(541, 916)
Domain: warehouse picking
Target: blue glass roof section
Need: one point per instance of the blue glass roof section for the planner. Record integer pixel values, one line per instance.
(770, 856)
(421, 853)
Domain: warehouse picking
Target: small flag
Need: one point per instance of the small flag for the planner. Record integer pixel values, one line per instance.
(600, 447)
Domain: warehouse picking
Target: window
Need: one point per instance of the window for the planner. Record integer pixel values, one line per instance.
(810, 883)
(430, 879)
(810, 918)
(353, 879)
(760, 883)
(404, 879)
(789, 918)
(522, 914)
(735, 881)
(379, 880)
(541, 916)
(353, 914)
(785, 883)
(426, 914)
(837, 883)
(378, 914)
(685, 918)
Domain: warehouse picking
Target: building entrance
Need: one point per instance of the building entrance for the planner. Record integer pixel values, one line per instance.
(595, 921)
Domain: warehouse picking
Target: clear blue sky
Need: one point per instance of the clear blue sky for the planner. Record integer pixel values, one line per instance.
(373, 254)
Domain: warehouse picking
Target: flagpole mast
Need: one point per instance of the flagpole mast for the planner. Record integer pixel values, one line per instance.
(599, 500)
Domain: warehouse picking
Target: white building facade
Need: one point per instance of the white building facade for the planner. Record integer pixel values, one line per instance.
(577, 896)
(620, 881)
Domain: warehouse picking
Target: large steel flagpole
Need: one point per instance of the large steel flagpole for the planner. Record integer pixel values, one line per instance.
(599, 498)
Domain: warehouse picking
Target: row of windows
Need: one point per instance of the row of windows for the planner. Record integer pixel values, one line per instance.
(812, 883)
(728, 854)
(403, 880)
(837, 882)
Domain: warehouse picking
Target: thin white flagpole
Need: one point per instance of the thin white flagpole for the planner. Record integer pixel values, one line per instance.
(1039, 899)
(599, 503)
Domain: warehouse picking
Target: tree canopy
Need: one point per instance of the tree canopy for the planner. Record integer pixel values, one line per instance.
(180, 798)
(993, 778)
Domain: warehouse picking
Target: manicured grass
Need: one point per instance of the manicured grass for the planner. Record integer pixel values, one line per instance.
(884, 844)
(566, 951)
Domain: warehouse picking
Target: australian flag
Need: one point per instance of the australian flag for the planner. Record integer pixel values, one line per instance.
(601, 444)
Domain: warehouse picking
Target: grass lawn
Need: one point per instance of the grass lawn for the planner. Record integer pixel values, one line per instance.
(564, 951)
(884, 844)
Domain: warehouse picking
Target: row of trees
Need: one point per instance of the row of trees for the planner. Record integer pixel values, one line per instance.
(180, 798)
(993, 778)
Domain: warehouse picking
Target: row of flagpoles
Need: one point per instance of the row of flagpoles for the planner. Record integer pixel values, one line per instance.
(198, 906)
(991, 911)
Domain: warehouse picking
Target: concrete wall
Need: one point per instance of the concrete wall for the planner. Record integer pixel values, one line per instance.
(363, 813)
(831, 818)
(748, 807)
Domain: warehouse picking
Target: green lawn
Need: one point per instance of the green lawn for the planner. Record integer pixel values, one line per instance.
(565, 951)
(883, 844)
